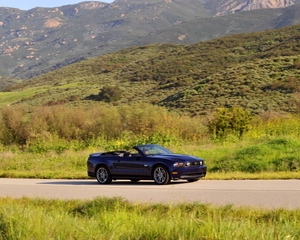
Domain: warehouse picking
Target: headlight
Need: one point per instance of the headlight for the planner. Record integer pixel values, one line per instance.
(189, 164)
(182, 164)
(178, 164)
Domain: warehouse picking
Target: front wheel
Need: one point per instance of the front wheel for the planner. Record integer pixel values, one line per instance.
(161, 175)
(103, 175)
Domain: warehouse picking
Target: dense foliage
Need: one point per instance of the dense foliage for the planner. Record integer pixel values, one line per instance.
(109, 94)
(87, 124)
(226, 121)
(230, 140)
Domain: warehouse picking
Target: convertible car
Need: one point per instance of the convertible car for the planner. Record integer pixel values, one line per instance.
(145, 162)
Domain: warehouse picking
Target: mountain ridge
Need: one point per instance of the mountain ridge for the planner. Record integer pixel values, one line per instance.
(44, 39)
(237, 6)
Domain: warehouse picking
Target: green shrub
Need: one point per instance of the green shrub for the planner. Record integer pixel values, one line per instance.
(46, 127)
(254, 165)
(279, 154)
(110, 94)
(13, 125)
(286, 164)
(297, 64)
(229, 121)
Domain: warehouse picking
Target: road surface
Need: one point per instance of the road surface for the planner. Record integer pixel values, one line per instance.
(260, 193)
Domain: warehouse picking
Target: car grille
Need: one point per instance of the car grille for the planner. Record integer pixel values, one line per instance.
(196, 163)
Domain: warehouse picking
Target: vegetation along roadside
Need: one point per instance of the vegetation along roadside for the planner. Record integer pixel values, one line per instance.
(54, 142)
(116, 218)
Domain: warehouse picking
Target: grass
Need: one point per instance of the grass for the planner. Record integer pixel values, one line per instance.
(6, 98)
(115, 218)
(62, 163)
(253, 176)
(67, 165)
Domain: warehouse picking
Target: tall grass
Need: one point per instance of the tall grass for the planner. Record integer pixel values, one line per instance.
(274, 159)
(115, 218)
(53, 142)
(49, 165)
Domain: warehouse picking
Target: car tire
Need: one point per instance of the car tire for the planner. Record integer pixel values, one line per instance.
(103, 175)
(193, 180)
(161, 175)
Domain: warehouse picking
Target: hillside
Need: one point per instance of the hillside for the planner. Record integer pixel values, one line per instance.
(45, 39)
(7, 81)
(258, 71)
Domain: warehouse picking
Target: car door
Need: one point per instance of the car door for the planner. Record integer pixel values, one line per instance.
(129, 166)
(147, 166)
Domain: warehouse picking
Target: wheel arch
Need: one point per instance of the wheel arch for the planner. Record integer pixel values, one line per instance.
(159, 164)
(101, 165)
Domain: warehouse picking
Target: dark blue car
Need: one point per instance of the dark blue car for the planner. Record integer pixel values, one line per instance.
(145, 162)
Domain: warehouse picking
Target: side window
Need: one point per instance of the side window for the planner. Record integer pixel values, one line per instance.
(134, 153)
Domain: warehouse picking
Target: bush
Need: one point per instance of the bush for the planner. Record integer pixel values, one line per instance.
(279, 154)
(110, 94)
(49, 124)
(297, 64)
(13, 127)
(229, 121)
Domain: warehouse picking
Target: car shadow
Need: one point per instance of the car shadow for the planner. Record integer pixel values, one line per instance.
(119, 182)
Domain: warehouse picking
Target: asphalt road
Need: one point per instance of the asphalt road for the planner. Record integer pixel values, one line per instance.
(260, 193)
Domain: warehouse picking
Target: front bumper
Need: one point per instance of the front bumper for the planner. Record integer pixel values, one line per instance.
(188, 173)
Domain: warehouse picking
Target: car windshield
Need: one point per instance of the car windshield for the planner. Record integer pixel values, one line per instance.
(153, 149)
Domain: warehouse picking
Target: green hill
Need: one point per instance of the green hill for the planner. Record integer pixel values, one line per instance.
(258, 71)
(7, 81)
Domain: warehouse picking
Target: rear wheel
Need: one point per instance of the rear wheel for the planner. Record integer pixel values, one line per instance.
(103, 175)
(161, 175)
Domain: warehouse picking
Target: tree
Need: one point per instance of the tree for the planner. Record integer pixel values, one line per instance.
(229, 121)
(110, 94)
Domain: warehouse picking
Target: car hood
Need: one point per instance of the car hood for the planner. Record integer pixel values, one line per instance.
(177, 157)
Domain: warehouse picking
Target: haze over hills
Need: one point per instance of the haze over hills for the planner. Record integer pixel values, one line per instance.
(256, 71)
(44, 39)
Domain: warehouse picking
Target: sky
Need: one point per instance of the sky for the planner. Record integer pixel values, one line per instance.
(29, 4)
